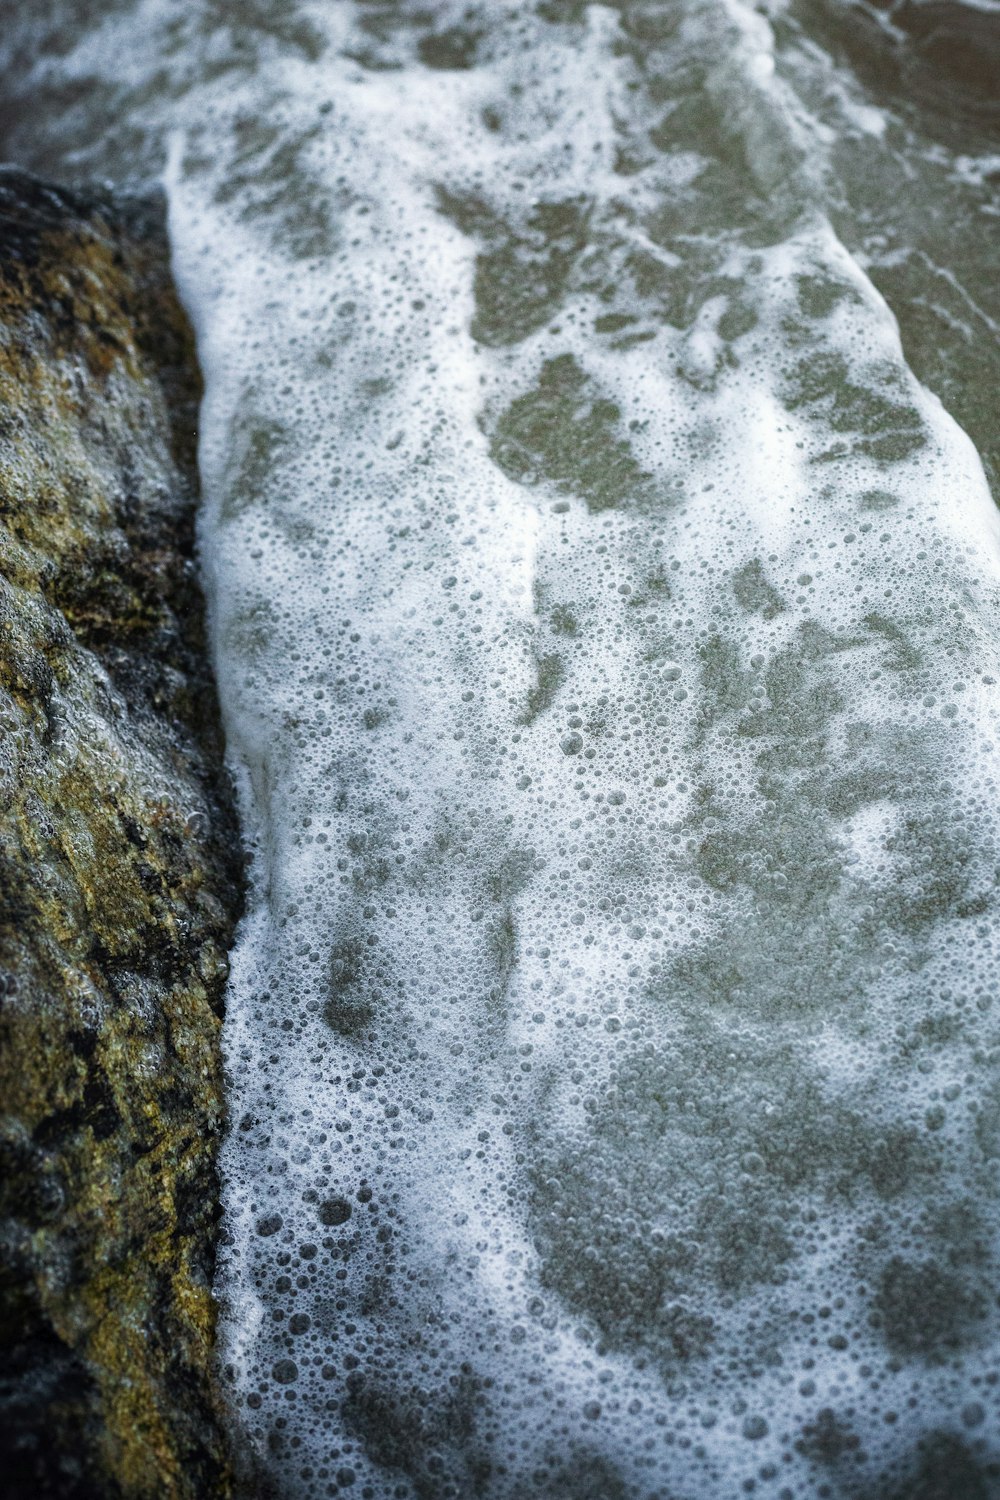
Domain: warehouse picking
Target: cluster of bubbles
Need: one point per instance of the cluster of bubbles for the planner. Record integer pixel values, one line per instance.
(607, 628)
(606, 623)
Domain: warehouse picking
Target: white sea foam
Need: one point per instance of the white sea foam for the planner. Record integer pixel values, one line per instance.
(560, 961)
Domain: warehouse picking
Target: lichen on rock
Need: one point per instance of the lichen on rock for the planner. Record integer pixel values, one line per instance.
(119, 866)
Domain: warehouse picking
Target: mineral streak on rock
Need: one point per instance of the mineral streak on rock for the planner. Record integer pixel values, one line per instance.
(119, 876)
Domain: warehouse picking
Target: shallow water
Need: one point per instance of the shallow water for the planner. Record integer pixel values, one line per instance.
(608, 630)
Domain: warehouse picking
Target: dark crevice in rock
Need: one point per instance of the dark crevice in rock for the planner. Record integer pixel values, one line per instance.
(120, 867)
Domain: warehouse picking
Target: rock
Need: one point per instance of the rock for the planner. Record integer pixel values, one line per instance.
(120, 873)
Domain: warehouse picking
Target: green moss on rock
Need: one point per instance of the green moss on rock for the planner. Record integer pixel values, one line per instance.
(119, 868)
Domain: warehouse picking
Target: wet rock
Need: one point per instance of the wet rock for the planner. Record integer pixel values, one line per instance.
(119, 867)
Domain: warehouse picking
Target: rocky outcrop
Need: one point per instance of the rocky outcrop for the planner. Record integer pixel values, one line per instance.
(119, 870)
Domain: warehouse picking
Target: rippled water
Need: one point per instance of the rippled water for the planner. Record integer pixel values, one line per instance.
(608, 628)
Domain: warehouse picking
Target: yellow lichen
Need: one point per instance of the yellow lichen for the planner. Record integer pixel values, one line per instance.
(110, 1073)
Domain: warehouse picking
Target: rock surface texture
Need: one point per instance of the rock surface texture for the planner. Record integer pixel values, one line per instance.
(119, 871)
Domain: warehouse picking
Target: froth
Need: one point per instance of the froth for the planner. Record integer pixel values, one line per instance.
(606, 623)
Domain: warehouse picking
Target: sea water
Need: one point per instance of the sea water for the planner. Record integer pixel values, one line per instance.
(607, 626)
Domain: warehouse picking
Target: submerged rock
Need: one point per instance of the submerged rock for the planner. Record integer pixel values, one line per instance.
(119, 867)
